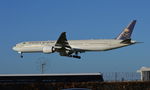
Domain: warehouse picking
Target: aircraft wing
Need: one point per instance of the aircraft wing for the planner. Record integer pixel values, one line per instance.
(62, 46)
(62, 41)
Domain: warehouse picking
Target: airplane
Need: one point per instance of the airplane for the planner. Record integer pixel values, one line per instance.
(71, 48)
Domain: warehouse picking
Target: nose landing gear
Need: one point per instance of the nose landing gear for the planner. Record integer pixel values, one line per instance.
(21, 54)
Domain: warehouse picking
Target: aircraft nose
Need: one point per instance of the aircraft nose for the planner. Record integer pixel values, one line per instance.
(15, 48)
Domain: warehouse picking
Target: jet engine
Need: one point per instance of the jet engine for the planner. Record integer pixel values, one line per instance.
(49, 49)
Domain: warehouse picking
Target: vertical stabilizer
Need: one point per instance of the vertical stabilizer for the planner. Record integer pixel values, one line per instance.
(126, 33)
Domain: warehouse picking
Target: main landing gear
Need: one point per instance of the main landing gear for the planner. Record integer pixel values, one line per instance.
(75, 56)
(78, 57)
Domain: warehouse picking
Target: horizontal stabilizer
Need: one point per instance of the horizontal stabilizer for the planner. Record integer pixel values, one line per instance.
(127, 41)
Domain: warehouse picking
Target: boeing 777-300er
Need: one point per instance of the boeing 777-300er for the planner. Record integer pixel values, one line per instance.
(71, 48)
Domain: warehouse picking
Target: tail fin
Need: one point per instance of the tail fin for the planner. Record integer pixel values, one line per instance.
(126, 33)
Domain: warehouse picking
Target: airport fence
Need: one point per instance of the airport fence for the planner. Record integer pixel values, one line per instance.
(121, 76)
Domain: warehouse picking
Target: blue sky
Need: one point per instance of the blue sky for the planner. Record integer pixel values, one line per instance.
(36, 20)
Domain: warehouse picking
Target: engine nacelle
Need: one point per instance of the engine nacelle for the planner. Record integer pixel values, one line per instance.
(48, 49)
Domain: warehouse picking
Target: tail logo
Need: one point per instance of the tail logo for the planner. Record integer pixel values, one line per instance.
(126, 30)
(126, 33)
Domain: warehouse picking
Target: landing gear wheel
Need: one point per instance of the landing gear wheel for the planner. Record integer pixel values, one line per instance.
(77, 57)
(21, 55)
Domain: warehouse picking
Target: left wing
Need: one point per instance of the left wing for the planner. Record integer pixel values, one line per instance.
(62, 42)
(62, 46)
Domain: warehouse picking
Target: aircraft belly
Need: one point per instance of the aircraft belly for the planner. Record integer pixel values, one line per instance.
(98, 47)
(31, 49)
(92, 48)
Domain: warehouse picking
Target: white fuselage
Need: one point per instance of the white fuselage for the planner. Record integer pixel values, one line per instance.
(78, 45)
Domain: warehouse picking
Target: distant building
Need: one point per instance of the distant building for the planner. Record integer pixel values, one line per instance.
(145, 73)
(71, 77)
